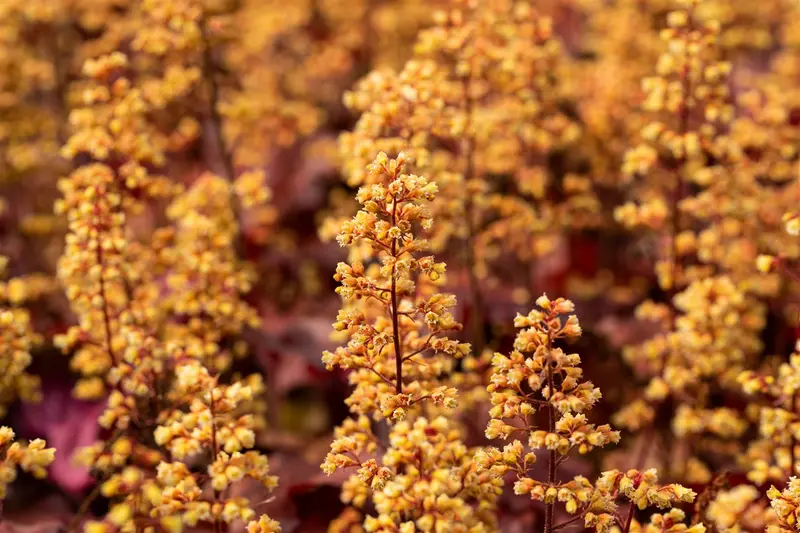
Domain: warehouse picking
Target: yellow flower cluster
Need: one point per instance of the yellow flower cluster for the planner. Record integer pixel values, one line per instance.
(428, 481)
(699, 353)
(217, 425)
(786, 505)
(670, 522)
(739, 509)
(102, 269)
(32, 457)
(696, 180)
(399, 356)
(205, 280)
(398, 348)
(160, 311)
(433, 483)
(17, 339)
(772, 457)
(539, 376)
(689, 102)
(477, 110)
(211, 420)
(642, 489)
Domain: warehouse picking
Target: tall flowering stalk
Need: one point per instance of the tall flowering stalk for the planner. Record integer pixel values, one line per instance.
(17, 338)
(775, 388)
(105, 274)
(477, 109)
(157, 309)
(687, 102)
(398, 355)
(773, 456)
(216, 424)
(397, 349)
(690, 193)
(539, 376)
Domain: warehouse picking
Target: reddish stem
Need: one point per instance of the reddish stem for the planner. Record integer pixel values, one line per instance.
(395, 317)
(629, 520)
(551, 421)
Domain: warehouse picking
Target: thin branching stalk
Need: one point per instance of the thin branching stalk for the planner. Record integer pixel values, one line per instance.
(394, 311)
(210, 75)
(551, 423)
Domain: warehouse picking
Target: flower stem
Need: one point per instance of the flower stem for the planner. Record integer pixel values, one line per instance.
(629, 520)
(398, 356)
(551, 422)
